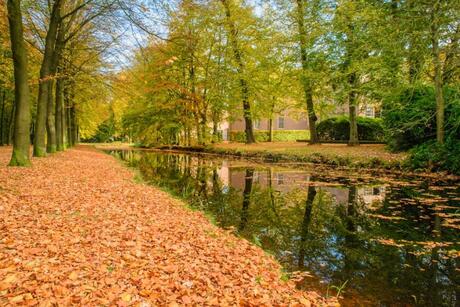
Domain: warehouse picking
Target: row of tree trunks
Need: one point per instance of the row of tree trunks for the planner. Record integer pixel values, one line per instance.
(44, 86)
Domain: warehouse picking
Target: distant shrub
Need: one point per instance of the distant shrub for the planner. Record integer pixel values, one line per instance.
(432, 156)
(410, 116)
(278, 135)
(338, 129)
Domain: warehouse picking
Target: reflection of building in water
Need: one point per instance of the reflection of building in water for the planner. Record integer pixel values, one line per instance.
(370, 195)
(286, 181)
(224, 174)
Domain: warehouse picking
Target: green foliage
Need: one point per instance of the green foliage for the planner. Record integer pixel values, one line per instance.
(106, 132)
(433, 156)
(410, 116)
(338, 129)
(278, 135)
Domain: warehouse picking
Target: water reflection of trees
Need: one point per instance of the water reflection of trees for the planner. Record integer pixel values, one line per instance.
(308, 229)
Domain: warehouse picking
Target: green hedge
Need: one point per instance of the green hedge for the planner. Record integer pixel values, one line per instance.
(338, 129)
(433, 156)
(278, 135)
(410, 116)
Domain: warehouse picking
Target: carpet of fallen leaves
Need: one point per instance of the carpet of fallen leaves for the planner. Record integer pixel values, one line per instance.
(76, 230)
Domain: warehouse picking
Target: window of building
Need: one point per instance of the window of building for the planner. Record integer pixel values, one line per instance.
(369, 111)
(257, 124)
(280, 178)
(281, 122)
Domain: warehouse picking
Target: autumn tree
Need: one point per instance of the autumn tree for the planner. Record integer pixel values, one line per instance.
(230, 8)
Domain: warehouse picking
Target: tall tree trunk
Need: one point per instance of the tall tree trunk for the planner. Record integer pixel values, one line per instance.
(270, 129)
(58, 67)
(2, 97)
(248, 179)
(238, 56)
(66, 113)
(307, 86)
(50, 120)
(53, 114)
(304, 230)
(415, 53)
(352, 105)
(59, 118)
(44, 85)
(215, 127)
(74, 125)
(20, 156)
(438, 82)
(11, 124)
(203, 123)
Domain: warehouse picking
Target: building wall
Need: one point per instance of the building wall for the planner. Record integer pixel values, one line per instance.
(263, 124)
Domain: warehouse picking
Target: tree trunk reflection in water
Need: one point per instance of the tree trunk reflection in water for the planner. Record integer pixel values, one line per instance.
(306, 224)
(246, 197)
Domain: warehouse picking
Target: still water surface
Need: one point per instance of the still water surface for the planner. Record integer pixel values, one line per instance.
(383, 240)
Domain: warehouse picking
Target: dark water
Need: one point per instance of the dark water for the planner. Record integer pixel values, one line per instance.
(385, 241)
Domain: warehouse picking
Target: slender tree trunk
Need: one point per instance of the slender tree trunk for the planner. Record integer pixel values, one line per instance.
(352, 105)
(415, 56)
(50, 120)
(215, 128)
(59, 117)
(438, 82)
(44, 85)
(306, 83)
(311, 194)
(204, 123)
(11, 124)
(246, 198)
(2, 117)
(270, 129)
(73, 119)
(238, 56)
(67, 106)
(20, 156)
(64, 125)
(58, 67)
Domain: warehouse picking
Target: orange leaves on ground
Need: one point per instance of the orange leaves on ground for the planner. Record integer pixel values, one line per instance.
(76, 230)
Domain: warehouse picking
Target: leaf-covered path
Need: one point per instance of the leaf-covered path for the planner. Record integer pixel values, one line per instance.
(76, 229)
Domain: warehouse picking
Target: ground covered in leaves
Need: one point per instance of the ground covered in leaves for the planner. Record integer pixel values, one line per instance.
(76, 229)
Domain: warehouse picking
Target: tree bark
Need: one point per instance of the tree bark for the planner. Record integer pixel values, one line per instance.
(438, 82)
(415, 53)
(74, 125)
(44, 85)
(270, 129)
(352, 107)
(20, 156)
(59, 102)
(2, 95)
(50, 120)
(238, 56)
(311, 194)
(11, 125)
(308, 89)
(248, 179)
(59, 118)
